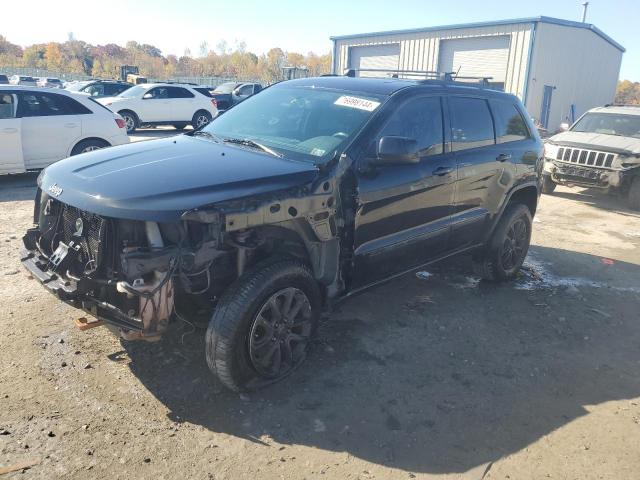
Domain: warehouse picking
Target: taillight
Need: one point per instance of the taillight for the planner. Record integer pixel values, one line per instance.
(215, 102)
(121, 123)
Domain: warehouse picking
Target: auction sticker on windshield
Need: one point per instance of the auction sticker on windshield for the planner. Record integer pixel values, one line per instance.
(355, 102)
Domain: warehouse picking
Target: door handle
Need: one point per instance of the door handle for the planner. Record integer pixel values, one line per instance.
(71, 125)
(442, 171)
(503, 157)
(9, 130)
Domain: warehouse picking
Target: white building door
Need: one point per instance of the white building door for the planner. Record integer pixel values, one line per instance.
(386, 57)
(476, 57)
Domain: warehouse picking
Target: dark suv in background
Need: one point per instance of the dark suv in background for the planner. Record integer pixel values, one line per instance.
(99, 88)
(304, 194)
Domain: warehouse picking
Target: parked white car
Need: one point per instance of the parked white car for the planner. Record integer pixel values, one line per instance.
(39, 126)
(162, 104)
(23, 80)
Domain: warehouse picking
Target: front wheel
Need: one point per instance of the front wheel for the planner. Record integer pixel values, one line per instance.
(261, 328)
(200, 119)
(506, 250)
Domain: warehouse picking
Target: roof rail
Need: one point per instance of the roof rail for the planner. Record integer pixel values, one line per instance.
(637, 105)
(421, 74)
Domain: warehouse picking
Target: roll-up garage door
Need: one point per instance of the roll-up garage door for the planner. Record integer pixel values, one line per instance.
(476, 57)
(375, 56)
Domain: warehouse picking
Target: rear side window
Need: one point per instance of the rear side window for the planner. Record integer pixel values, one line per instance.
(7, 109)
(178, 92)
(246, 90)
(420, 119)
(510, 126)
(471, 123)
(49, 104)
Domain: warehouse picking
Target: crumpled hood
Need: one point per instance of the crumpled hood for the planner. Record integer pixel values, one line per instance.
(598, 141)
(159, 180)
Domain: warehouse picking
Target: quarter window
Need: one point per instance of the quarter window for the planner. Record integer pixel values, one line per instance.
(510, 126)
(471, 123)
(420, 119)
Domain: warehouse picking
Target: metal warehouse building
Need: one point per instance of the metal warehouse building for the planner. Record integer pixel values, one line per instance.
(558, 68)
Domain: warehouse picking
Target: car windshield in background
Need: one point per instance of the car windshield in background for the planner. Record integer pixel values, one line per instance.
(76, 86)
(306, 123)
(133, 92)
(225, 87)
(609, 124)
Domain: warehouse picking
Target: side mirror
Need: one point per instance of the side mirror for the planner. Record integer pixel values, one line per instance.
(147, 96)
(397, 151)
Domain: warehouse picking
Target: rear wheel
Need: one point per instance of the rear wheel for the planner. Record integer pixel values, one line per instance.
(262, 326)
(548, 185)
(633, 195)
(506, 250)
(200, 119)
(89, 146)
(130, 119)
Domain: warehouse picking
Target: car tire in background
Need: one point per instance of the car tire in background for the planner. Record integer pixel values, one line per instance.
(179, 126)
(130, 119)
(633, 195)
(89, 145)
(505, 252)
(548, 185)
(200, 119)
(263, 324)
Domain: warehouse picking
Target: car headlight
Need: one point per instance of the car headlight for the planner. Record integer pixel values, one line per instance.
(551, 150)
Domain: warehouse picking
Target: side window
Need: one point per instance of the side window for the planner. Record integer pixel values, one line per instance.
(7, 106)
(471, 123)
(49, 104)
(178, 92)
(159, 93)
(510, 126)
(420, 119)
(95, 90)
(256, 88)
(245, 90)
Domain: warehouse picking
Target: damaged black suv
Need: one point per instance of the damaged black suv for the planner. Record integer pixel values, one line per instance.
(302, 195)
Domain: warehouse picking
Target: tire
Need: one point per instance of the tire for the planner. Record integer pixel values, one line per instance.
(240, 346)
(88, 146)
(633, 195)
(131, 120)
(200, 119)
(548, 185)
(513, 233)
(179, 126)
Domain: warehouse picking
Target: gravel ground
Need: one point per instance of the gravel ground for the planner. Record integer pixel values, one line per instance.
(435, 375)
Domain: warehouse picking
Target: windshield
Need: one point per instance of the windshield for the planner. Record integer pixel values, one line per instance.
(133, 92)
(609, 124)
(225, 87)
(307, 123)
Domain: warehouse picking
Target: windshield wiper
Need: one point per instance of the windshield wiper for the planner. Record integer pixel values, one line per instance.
(202, 133)
(250, 143)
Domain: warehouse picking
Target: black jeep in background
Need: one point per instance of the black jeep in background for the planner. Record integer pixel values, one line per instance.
(304, 194)
(229, 94)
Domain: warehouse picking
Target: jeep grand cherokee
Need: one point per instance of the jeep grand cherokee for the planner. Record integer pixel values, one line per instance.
(304, 194)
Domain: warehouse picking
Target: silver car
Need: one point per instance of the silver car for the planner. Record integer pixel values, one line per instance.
(23, 80)
(50, 82)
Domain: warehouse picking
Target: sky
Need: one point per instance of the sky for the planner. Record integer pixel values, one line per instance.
(300, 26)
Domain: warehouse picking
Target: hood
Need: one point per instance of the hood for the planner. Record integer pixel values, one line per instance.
(159, 180)
(598, 141)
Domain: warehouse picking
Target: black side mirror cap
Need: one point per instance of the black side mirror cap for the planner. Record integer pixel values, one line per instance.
(394, 150)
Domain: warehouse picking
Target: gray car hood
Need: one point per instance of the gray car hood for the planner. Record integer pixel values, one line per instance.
(598, 141)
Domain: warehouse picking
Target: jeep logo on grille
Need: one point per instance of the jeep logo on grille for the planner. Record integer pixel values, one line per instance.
(55, 190)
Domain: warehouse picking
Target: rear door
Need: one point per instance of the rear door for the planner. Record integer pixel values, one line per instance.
(485, 169)
(50, 126)
(403, 217)
(11, 160)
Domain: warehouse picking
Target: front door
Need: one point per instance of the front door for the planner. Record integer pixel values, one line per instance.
(403, 213)
(10, 135)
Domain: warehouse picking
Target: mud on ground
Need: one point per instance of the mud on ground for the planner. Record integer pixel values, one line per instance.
(437, 375)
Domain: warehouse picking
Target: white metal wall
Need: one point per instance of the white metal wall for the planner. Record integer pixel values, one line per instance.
(420, 51)
(582, 66)
(386, 56)
(476, 57)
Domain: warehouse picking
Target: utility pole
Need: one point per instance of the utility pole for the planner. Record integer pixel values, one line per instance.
(585, 5)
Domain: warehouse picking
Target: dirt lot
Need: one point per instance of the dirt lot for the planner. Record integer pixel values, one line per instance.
(435, 375)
